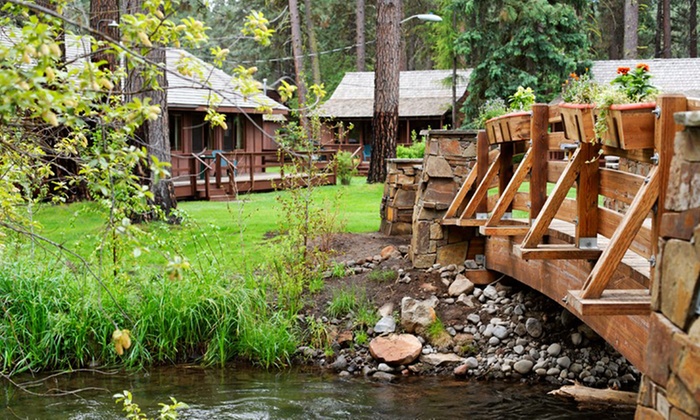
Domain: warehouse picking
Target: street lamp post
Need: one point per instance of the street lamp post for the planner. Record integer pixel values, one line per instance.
(385, 118)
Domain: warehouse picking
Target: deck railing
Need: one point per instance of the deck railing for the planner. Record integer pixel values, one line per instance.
(229, 170)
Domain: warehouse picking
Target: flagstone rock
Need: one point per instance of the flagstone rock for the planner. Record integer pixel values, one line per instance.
(395, 349)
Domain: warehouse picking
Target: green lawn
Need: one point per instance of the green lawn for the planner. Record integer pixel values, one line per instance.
(226, 231)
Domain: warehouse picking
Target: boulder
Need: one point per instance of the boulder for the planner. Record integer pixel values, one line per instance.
(395, 349)
(461, 285)
(416, 314)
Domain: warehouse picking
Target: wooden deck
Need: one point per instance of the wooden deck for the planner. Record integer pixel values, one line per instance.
(596, 262)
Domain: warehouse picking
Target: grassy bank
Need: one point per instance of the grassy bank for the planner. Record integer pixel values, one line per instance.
(207, 290)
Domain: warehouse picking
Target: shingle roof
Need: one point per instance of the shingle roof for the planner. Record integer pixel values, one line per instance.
(421, 94)
(183, 91)
(670, 75)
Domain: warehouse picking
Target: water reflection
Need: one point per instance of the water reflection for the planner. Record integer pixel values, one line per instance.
(250, 394)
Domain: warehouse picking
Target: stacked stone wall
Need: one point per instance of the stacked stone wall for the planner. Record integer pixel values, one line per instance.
(403, 176)
(671, 387)
(450, 155)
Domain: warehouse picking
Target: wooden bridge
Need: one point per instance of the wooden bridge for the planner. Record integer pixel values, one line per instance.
(545, 226)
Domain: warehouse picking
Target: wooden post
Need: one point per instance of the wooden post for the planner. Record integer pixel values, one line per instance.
(505, 170)
(539, 149)
(193, 176)
(217, 169)
(482, 157)
(587, 198)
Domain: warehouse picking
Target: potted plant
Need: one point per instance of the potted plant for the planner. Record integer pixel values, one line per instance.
(515, 125)
(624, 111)
(577, 111)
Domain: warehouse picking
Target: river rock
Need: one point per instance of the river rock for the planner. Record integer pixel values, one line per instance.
(501, 332)
(460, 285)
(383, 377)
(564, 362)
(461, 370)
(395, 349)
(523, 367)
(340, 363)
(554, 349)
(390, 252)
(416, 314)
(474, 318)
(490, 292)
(385, 325)
(437, 359)
(576, 339)
(471, 362)
(533, 327)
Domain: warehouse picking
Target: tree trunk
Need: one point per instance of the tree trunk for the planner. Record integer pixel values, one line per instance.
(153, 134)
(360, 34)
(298, 60)
(666, 53)
(693, 33)
(102, 13)
(385, 120)
(658, 33)
(313, 43)
(631, 27)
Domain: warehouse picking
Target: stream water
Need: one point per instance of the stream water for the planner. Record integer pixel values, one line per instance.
(253, 394)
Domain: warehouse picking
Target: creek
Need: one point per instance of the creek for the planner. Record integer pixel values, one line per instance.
(291, 394)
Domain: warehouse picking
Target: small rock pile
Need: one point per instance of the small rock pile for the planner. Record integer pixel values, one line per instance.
(494, 332)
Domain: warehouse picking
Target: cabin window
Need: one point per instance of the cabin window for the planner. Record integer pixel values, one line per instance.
(233, 135)
(201, 134)
(174, 129)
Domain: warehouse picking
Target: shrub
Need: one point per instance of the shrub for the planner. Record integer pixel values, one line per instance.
(414, 151)
(346, 167)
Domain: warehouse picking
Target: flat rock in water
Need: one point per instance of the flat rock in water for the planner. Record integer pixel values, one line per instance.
(395, 349)
(460, 285)
(383, 377)
(437, 359)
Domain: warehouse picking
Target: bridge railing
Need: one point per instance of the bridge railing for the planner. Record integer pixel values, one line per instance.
(598, 234)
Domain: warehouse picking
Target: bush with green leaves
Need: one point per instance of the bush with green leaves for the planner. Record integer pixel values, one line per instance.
(414, 151)
(346, 167)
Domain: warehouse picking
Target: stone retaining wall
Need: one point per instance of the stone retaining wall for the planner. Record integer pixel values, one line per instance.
(671, 388)
(399, 197)
(450, 155)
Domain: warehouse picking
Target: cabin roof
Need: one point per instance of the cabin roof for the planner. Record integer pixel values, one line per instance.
(670, 75)
(187, 92)
(425, 93)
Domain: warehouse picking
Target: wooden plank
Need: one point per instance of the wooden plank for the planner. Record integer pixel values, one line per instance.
(611, 302)
(555, 169)
(538, 171)
(481, 191)
(482, 152)
(587, 195)
(521, 201)
(462, 222)
(618, 185)
(462, 193)
(540, 225)
(693, 104)
(556, 139)
(503, 230)
(567, 211)
(639, 155)
(620, 242)
(556, 252)
(504, 203)
(609, 220)
(481, 277)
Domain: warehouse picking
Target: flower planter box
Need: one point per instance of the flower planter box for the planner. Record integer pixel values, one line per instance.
(578, 121)
(630, 126)
(509, 127)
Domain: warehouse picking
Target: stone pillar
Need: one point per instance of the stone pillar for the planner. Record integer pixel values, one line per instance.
(399, 197)
(671, 387)
(450, 154)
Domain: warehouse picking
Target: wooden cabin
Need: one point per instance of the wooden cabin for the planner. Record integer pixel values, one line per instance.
(425, 101)
(205, 159)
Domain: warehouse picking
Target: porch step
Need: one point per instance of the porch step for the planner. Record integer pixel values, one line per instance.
(222, 197)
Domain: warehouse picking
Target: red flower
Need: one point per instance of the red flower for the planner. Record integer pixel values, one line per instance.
(623, 70)
(643, 66)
